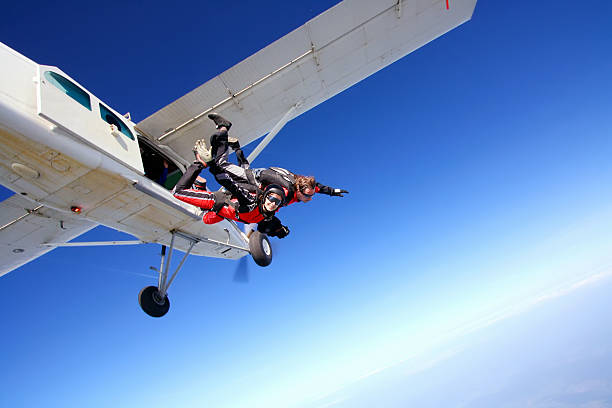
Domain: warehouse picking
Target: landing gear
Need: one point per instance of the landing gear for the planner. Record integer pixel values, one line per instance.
(154, 299)
(152, 302)
(260, 248)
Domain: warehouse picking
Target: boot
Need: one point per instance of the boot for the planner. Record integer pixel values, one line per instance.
(220, 121)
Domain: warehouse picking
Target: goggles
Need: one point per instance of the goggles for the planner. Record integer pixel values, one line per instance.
(274, 200)
(308, 195)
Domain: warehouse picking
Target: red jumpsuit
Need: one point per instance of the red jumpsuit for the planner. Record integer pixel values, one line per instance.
(206, 200)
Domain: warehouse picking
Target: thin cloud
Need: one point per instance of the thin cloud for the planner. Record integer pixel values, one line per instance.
(595, 277)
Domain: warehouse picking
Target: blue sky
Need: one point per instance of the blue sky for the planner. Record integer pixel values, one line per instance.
(470, 261)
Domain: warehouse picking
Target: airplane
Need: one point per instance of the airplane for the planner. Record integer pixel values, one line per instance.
(75, 163)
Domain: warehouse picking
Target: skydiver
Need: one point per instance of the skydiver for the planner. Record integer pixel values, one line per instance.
(240, 179)
(261, 208)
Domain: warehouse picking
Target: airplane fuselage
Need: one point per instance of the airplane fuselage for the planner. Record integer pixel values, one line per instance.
(64, 149)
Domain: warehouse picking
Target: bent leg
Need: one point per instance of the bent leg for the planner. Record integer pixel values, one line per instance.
(219, 146)
(242, 160)
(226, 173)
(244, 163)
(235, 189)
(221, 163)
(202, 199)
(187, 179)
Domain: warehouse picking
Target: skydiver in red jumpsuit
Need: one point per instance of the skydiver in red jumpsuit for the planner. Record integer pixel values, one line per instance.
(261, 208)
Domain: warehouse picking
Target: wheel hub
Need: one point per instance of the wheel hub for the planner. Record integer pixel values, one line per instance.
(266, 247)
(158, 299)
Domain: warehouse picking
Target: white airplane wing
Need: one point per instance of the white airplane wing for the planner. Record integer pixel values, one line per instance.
(325, 56)
(25, 228)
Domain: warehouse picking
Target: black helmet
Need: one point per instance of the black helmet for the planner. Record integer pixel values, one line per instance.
(269, 189)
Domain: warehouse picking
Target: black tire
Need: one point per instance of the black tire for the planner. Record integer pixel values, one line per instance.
(151, 302)
(260, 248)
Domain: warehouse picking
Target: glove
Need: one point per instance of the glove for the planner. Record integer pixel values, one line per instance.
(221, 201)
(203, 150)
(282, 232)
(338, 192)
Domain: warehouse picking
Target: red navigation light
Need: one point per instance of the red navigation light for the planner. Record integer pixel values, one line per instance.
(75, 209)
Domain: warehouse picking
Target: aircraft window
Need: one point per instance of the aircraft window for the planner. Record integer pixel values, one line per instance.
(68, 88)
(111, 118)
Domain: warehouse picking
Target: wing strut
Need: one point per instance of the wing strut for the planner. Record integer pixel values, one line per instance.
(96, 243)
(275, 129)
(29, 212)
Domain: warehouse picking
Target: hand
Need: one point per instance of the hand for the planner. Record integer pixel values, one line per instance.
(203, 151)
(338, 192)
(282, 232)
(221, 201)
(200, 161)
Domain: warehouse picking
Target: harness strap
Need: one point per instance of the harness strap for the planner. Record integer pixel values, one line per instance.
(250, 177)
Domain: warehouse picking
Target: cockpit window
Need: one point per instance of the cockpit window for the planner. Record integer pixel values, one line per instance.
(111, 118)
(68, 88)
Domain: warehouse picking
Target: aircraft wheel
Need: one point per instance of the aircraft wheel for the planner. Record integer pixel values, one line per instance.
(260, 248)
(152, 303)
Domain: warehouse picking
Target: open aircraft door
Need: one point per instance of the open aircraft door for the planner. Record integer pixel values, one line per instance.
(68, 105)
